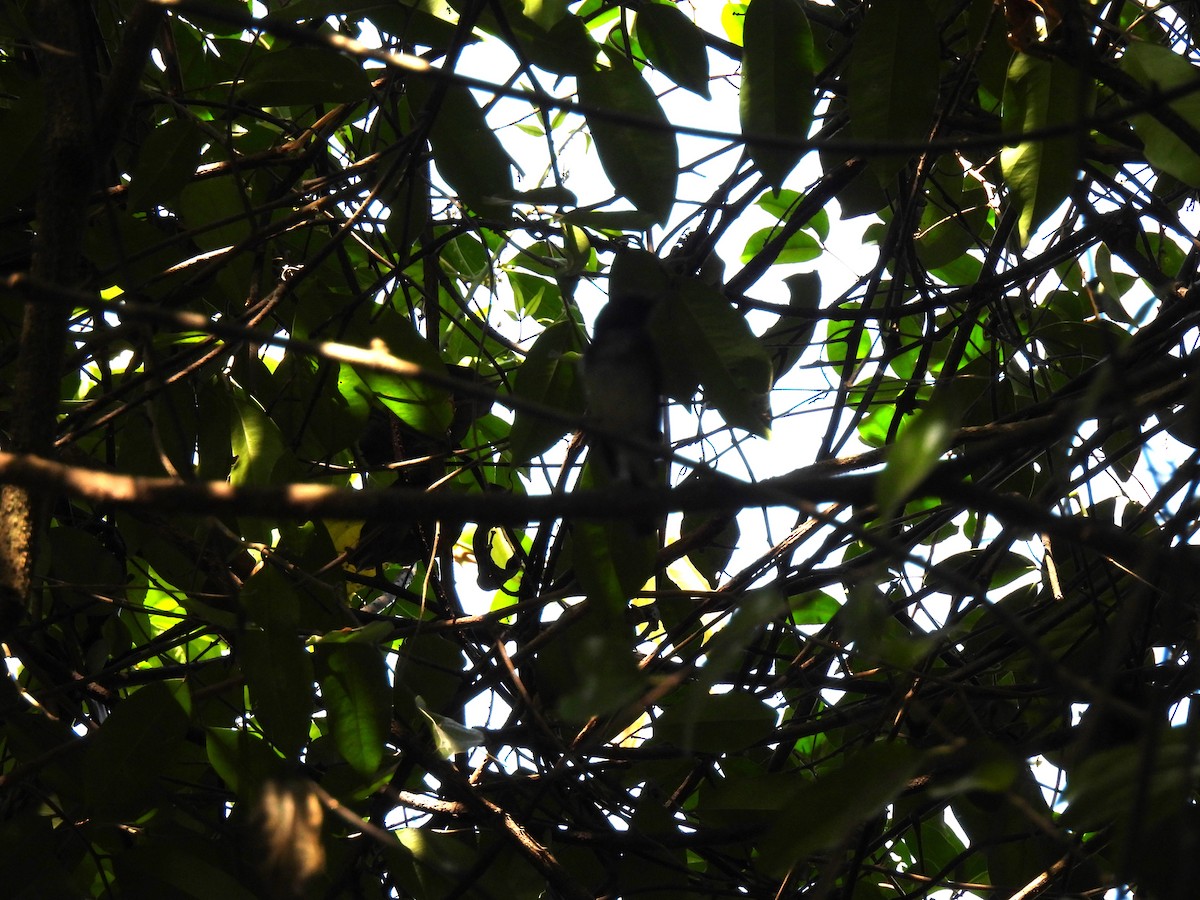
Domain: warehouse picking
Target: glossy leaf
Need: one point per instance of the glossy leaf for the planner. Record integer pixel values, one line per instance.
(633, 137)
(256, 443)
(699, 333)
(419, 404)
(614, 560)
(449, 737)
(674, 45)
(715, 723)
(777, 85)
(465, 148)
(841, 334)
(357, 698)
(277, 667)
(1042, 94)
(788, 338)
(800, 247)
(917, 450)
(242, 759)
(822, 813)
(135, 750)
(1160, 69)
(548, 376)
(781, 204)
(303, 75)
(891, 100)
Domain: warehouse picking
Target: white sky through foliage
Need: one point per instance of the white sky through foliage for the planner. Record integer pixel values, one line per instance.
(801, 400)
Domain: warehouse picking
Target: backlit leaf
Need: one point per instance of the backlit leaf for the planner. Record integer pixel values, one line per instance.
(674, 45)
(548, 376)
(1040, 172)
(1161, 69)
(640, 158)
(891, 100)
(699, 333)
(354, 687)
(777, 85)
(823, 813)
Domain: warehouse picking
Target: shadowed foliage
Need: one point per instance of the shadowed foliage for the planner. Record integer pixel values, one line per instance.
(312, 584)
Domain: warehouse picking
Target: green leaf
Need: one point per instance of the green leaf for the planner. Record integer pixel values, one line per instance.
(418, 404)
(539, 298)
(550, 195)
(311, 408)
(781, 204)
(1161, 69)
(166, 162)
(241, 758)
(800, 247)
(1109, 287)
(427, 665)
(256, 443)
(1038, 94)
(715, 723)
(822, 814)
(201, 205)
(893, 73)
(733, 18)
(674, 45)
(303, 76)
(272, 656)
(955, 218)
(279, 679)
(590, 669)
(606, 220)
(548, 376)
(440, 862)
(710, 557)
(606, 676)
(999, 826)
(546, 13)
(1002, 569)
(638, 273)
(373, 633)
(354, 686)
(788, 338)
(466, 150)
(133, 750)
(612, 558)
(564, 48)
(920, 445)
(838, 335)
(778, 84)
(816, 608)
(700, 336)
(449, 737)
(640, 160)
(1152, 779)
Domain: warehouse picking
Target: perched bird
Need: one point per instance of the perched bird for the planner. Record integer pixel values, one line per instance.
(623, 386)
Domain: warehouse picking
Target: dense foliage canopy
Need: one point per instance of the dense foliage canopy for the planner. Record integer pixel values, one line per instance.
(312, 585)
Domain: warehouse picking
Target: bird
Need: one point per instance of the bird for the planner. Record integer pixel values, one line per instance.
(622, 384)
